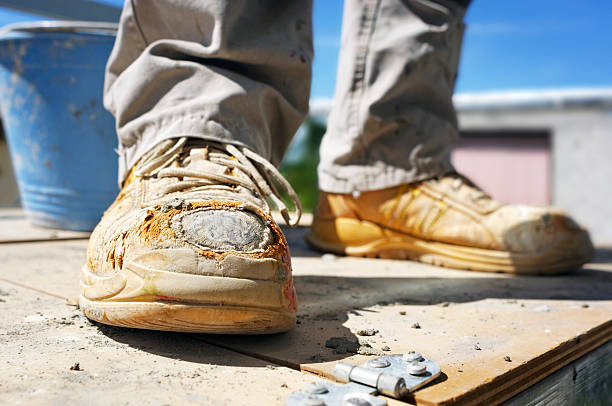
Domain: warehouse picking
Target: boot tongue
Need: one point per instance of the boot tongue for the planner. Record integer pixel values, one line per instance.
(199, 161)
(466, 191)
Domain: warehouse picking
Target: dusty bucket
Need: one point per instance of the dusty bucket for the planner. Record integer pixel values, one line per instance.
(60, 138)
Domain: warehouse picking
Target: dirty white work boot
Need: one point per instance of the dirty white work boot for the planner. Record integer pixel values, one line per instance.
(189, 245)
(450, 222)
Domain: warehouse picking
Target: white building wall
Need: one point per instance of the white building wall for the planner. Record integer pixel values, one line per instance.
(581, 131)
(582, 161)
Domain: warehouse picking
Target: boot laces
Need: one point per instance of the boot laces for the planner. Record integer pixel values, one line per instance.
(243, 172)
(476, 195)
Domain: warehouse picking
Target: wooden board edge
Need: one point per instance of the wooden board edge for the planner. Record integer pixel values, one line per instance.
(508, 385)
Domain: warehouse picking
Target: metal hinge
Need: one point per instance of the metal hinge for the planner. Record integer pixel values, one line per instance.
(394, 375)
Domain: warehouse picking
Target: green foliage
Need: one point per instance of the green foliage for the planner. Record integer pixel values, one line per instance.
(302, 172)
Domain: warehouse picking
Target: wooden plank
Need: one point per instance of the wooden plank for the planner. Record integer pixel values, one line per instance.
(536, 343)
(48, 271)
(49, 267)
(43, 338)
(15, 227)
(541, 323)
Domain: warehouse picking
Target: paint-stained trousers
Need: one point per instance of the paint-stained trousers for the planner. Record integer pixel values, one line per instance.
(239, 71)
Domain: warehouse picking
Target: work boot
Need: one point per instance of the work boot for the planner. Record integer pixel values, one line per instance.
(449, 222)
(189, 245)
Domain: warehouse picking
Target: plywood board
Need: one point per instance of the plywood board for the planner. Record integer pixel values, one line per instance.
(43, 339)
(540, 323)
(50, 267)
(469, 322)
(37, 282)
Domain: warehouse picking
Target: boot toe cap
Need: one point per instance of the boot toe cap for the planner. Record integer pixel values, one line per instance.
(223, 230)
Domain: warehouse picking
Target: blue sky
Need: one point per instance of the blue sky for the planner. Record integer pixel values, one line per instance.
(519, 44)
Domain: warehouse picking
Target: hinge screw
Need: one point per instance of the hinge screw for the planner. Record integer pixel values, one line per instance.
(355, 401)
(416, 368)
(313, 400)
(412, 356)
(378, 363)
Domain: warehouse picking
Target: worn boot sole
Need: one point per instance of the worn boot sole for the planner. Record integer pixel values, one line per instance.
(360, 238)
(170, 301)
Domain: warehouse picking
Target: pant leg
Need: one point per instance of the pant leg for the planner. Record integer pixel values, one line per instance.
(393, 120)
(237, 71)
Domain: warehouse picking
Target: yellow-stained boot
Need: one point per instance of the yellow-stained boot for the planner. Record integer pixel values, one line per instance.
(188, 245)
(449, 222)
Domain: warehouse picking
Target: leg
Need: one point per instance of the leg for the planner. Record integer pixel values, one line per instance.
(235, 71)
(393, 120)
(200, 91)
(388, 188)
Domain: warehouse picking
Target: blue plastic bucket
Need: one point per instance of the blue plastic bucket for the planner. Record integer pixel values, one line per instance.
(60, 138)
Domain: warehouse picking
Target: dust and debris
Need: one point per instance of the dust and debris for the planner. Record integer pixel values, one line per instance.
(459, 370)
(386, 348)
(326, 316)
(270, 366)
(402, 313)
(367, 349)
(507, 358)
(416, 325)
(76, 367)
(585, 306)
(36, 318)
(342, 345)
(63, 321)
(444, 304)
(315, 358)
(477, 347)
(284, 385)
(367, 332)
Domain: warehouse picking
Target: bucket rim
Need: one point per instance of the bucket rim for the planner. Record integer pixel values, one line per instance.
(61, 26)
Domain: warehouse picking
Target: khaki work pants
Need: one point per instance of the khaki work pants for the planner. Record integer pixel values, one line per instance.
(239, 71)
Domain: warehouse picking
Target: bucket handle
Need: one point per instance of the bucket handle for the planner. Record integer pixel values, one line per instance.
(61, 26)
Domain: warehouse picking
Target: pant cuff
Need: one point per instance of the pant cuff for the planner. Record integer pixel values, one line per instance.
(358, 178)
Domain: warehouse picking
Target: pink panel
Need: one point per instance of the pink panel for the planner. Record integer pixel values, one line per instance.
(513, 169)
